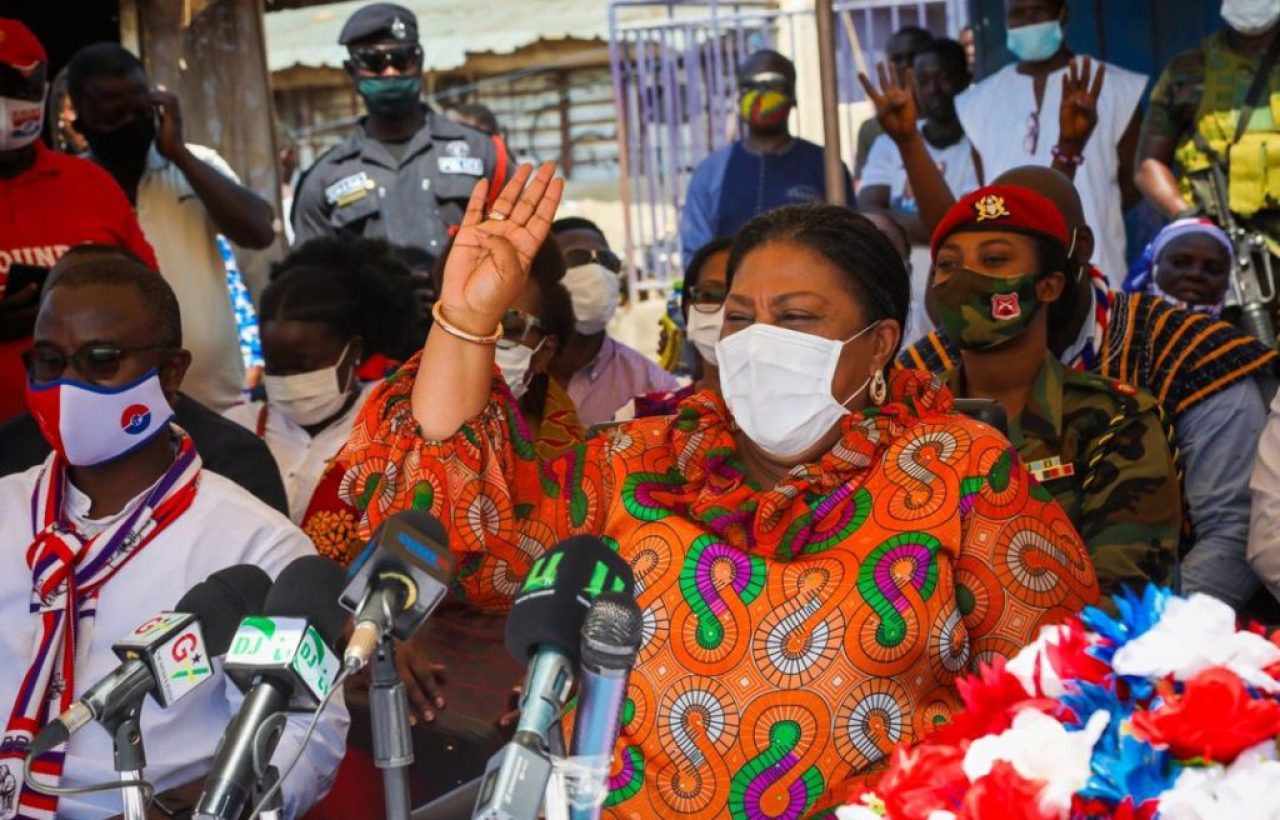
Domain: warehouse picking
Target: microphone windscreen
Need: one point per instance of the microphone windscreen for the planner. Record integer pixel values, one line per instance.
(612, 632)
(552, 603)
(222, 601)
(309, 588)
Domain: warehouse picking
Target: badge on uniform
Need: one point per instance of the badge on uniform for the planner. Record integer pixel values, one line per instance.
(1048, 469)
(458, 160)
(349, 189)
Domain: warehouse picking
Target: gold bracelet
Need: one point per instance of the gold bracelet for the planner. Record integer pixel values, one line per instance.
(438, 315)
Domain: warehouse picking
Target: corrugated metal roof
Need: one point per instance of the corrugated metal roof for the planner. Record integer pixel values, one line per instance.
(448, 28)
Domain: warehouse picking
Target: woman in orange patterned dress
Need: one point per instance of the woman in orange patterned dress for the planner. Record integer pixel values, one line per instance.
(818, 555)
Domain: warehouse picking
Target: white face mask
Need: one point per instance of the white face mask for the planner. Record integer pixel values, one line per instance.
(514, 362)
(777, 383)
(20, 122)
(1250, 17)
(704, 332)
(593, 289)
(310, 398)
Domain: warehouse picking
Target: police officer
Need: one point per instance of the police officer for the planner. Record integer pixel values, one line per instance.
(1197, 118)
(406, 172)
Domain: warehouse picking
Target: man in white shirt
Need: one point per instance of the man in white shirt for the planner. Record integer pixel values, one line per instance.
(115, 526)
(185, 195)
(1017, 117)
(940, 72)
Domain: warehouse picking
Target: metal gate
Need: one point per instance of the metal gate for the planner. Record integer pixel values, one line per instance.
(675, 87)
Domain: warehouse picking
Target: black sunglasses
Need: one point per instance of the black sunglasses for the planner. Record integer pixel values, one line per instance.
(516, 327)
(576, 257)
(376, 60)
(95, 362)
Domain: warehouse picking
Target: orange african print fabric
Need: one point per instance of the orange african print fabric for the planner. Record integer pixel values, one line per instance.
(559, 429)
(793, 635)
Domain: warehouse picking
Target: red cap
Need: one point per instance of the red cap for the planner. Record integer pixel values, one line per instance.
(1003, 208)
(18, 46)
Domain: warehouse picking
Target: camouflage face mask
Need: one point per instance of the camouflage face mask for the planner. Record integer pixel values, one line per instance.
(979, 312)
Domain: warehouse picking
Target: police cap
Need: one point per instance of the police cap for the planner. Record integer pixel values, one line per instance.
(380, 20)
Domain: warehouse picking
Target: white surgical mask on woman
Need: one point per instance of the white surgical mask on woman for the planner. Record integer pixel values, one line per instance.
(514, 362)
(777, 383)
(1250, 17)
(310, 398)
(704, 331)
(593, 289)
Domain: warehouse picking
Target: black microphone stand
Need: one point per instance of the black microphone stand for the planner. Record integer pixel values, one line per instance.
(392, 741)
(129, 758)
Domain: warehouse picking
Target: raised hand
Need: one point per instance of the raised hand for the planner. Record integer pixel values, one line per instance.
(895, 103)
(491, 255)
(1078, 113)
(169, 126)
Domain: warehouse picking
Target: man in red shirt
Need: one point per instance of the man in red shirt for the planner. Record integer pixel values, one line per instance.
(48, 203)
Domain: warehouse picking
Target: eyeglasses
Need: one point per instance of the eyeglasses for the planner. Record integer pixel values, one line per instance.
(96, 362)
(1033, 132)
(576, 257)
(516, 327)
(376, 60)
(709, 297)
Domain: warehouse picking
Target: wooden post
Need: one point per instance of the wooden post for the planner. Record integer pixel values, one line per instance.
(566, 133)
(834, 166)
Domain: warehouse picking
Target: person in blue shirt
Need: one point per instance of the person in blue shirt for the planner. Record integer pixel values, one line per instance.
(765, 169)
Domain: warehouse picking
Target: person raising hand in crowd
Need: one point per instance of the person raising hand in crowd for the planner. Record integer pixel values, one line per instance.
(768, 492)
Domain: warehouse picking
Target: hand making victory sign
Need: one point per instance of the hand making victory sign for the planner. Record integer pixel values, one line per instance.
(1077, 113)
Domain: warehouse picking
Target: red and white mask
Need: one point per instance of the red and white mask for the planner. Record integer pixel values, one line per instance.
(89, 425)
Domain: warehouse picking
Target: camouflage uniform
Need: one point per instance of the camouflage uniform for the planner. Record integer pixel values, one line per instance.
(1099, 447)
(1203, 90)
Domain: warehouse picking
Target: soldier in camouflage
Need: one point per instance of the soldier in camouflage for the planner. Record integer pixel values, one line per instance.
(1098, 446)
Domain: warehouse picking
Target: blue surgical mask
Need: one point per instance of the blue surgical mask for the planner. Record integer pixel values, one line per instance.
(1036, 42)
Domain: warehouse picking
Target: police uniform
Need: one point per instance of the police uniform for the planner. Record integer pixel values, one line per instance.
(413, 196)
(1099, 447)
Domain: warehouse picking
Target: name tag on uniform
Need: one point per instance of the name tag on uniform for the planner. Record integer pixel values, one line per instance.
(1048, 469)
(348, 190)
(472, 166)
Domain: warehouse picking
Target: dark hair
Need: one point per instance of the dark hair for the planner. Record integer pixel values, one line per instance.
(788, 68)
(117, 268)
(916, 33)
(1051, 256)
(356, 287)
(693, 271)
(872, 268)
(950, 53)
(547, 272)
(576, 223)
(479, 114)
(99, 60)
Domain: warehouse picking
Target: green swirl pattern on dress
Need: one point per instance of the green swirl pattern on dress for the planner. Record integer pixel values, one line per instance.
(698, 584)
(637, 494)
(746, 791)
(879, 587)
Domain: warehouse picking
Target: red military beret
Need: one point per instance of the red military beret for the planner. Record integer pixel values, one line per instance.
(1003, 208)
(18, 46)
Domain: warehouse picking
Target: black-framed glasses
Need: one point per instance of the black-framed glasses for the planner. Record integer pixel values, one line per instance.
(95, 362)
(709, 297)
(516, 327)
(376, 59)
(576, 257)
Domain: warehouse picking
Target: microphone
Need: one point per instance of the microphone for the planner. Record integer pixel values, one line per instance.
(284, 660)
(166, 656)
(611, 637)
(396, 582)
(543, 629)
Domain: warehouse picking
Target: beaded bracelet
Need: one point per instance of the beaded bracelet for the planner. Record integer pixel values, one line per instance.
(459, 333)
(1067, 158)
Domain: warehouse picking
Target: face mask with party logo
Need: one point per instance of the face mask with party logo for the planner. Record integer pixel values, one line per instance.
(766, 101)
(20, 122)
(980, 312)
(89, 425)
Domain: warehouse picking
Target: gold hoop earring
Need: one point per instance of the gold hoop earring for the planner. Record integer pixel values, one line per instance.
(879, 389)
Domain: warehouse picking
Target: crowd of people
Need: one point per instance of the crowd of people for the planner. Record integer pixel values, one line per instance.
(906, 434)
